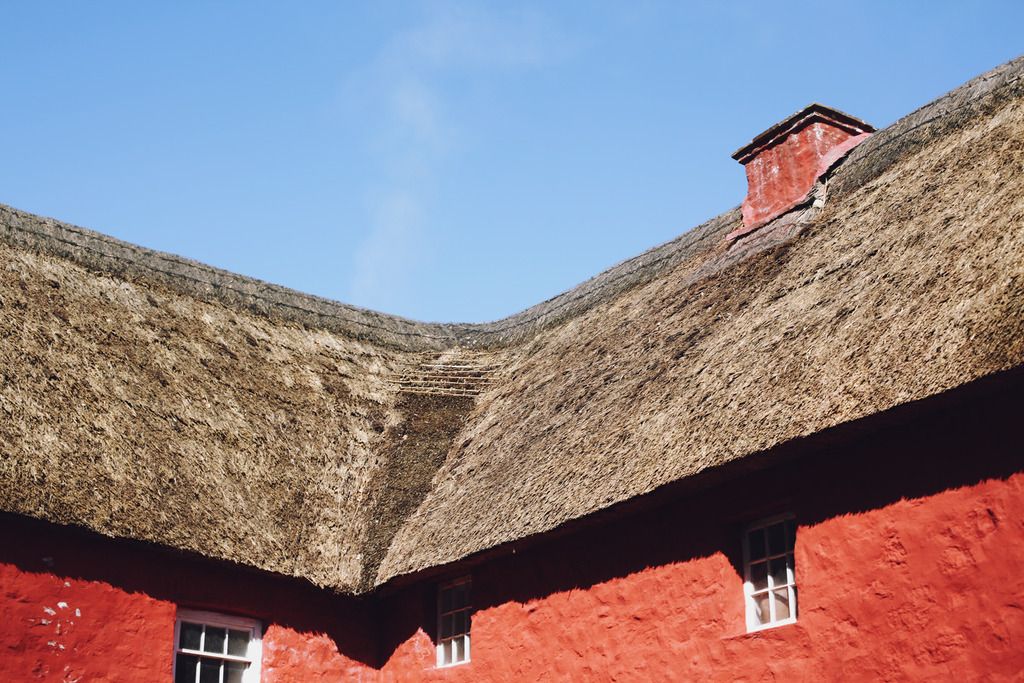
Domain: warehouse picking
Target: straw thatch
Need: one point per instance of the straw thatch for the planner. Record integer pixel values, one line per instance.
(146, 396)
(910, 282)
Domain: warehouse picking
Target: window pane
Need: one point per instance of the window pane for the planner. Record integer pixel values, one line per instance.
(446, 600)
(761, 608)
(185, 668)
(459, 623)
(776, 539)
(209, 671)
(238, 642)
(215, 638)
(778, 572)
(782, 604)
(759, 575)
(756, 538)
(790, 534)
(446, 652)
(189, 635)
(458, 653)
(233, 672)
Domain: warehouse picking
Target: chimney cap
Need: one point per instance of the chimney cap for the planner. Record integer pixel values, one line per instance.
(809, 114)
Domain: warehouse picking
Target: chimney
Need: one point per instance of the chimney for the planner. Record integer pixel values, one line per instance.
(785, 161)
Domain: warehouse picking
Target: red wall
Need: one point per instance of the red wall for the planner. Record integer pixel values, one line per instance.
(77, 607)
(924, 589)
(908, 562)
(909, 558)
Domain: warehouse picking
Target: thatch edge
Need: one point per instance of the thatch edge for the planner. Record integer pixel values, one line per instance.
(109, 255)
(876, 154)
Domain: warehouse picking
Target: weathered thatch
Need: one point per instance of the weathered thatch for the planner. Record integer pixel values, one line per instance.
(910, 282)
(150, 397)
(142, 412)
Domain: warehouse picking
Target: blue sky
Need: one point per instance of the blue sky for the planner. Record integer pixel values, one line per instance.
(440, 160)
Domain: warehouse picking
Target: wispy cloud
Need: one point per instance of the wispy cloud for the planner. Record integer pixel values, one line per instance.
(402, 90)
(384, 257)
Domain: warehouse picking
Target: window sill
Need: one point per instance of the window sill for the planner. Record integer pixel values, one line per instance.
(786, 629)
(452, 665)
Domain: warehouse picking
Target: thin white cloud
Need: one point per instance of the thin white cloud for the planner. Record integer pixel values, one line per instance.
(382, 259)
(400, 89)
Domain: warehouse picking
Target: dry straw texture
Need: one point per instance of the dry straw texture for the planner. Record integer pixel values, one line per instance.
(150, 397)
(905, 286)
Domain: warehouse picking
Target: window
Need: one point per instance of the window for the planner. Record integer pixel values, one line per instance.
(216, 648)
(770, 579)
(453, 617)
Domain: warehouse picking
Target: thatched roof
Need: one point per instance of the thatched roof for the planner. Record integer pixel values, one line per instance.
(150, 397)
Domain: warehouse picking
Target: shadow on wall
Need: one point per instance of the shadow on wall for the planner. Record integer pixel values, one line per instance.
(939, 444)
(138, 568)
(947, 442)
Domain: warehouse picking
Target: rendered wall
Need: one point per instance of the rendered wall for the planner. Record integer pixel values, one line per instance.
(908, 561)
(79, 608)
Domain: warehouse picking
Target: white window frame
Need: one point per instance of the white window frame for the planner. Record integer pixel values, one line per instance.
(254, 656)
(753, 623)
(468, 608)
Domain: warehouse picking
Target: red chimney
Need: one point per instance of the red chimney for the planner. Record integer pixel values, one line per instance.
(784, 162)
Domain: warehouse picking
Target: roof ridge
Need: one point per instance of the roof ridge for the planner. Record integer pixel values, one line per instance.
(125, 259)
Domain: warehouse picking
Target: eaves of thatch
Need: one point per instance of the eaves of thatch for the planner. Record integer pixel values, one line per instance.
(149, 397)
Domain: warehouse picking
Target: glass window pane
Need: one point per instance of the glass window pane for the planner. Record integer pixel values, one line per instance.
(782, 604)
(209, 671)
(761, 608)
(459, 623)
(189, 635)
(759, 575)
(756, 540)
(238, 642)
(776, 539)
(446, 600)
(458, 654)
(778, 572)
(233, 672)
(790, 534)
(215, 638)
(446, 652)
(185, 668)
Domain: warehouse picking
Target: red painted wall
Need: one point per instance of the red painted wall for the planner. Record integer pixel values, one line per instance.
(77, 607)
(925, 589)
(908, 561)
(909, 556)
